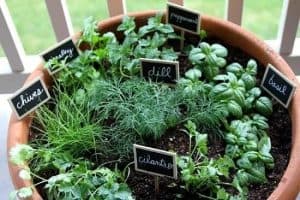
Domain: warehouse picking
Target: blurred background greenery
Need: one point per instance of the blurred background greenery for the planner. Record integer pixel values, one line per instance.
(34, 27)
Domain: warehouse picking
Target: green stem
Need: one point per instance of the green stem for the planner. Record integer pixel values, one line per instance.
(224, 183)
(39, 177)
(123, 74)
(112, 161)
(205, 197)
(127, 167)
(39, 183)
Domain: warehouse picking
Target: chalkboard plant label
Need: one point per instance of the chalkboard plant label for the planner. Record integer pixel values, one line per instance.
(278, 85)
(65, 50)
(160, 70)
(28, 98)
(182, 18)
(155, 161)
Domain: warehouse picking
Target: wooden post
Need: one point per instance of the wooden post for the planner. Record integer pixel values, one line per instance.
(156, 183)
(179, 2)
(181, 40)
(10, 40)
(288, 26)
(116, 7)
(234, 11)
(60, 18)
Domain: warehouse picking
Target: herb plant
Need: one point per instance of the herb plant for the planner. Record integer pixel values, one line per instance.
(208, 58)
(68, 128)
(83, 138)
(200, 173)
(77, 181)
(147, 42)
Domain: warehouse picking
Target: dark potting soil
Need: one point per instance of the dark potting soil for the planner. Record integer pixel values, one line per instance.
(174, 139)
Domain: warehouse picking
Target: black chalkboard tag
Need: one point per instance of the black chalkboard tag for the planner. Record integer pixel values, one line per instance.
(155, 161)
(164, 71)
(278, 85)
(65, 50)
(182, 18)
(28, 98)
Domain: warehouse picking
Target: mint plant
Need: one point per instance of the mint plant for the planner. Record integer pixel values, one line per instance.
(147, 42)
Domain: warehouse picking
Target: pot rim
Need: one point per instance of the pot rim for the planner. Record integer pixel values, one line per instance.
(289, 185)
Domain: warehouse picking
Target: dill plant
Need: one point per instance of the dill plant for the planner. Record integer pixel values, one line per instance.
(138, 107)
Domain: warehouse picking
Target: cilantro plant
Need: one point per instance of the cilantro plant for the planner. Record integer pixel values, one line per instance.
(200, 174)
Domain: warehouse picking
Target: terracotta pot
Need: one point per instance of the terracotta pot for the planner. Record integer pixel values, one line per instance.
(230, 33)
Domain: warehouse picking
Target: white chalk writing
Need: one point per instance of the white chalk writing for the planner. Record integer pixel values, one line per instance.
(64, 53)
(162, 72)
(279, 87)
(181, 19)
(27, 98)
(150, 161)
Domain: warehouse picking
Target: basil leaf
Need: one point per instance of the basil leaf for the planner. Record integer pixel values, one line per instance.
(252, 67)
(235, 68)
(244, 163)
(264, 145)
(193, 74)
(235, 109)
(264, 106)
(249, 80)
(219, 50)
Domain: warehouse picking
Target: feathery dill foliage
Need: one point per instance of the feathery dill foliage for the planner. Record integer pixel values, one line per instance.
(68, 127)
(149, 109)
(201, 107)
(207, 113)
(137, 106)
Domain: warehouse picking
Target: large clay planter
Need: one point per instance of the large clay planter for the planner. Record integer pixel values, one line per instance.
(230, 33)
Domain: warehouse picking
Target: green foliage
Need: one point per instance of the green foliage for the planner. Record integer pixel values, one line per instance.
(75, 179)
(89, 34)
(191, 85)
(250, 146)
(200, 139)
(23, 193)
(231, 89)
(201, 174)
(138, 107)
(201, 107)
(90, 64)
(193, 74)
(80, 73)
(264, 106)
(148, 42)
(247, 75)
(208, 58)
(81, 183)
(206, 112)
(20, 154)
(67, 126)
(100, 109)
(51, 159)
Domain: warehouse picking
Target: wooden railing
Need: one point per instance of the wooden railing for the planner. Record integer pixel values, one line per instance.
(16, 65)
